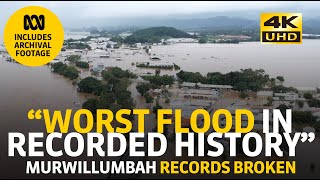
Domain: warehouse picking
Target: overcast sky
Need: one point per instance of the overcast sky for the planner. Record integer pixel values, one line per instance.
(70, 12)
(140, 8)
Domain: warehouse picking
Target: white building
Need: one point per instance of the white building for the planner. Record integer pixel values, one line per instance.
(188, 85)
(213, 86)
(97, 53)
(287, 96)
(264, 94)
(205, 86)
(181, 40)
(200, 94)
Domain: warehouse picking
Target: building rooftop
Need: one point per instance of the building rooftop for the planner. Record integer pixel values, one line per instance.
(157, 90)
(214, 86)
(286, 94)
(199, 91)
(190, 84)
(265, 93)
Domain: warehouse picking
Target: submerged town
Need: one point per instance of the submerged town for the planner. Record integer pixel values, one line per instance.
(122, 71)
(152, 82)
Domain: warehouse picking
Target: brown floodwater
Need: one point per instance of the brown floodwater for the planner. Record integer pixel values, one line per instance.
(299, 64)
(24, 88)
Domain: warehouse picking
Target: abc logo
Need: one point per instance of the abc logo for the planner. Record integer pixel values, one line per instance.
(33, 36)
(28, 22)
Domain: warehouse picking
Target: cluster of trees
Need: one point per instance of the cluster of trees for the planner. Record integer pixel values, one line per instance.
(314, 102)
(149, 98)
(245, 79)
(176, 67)
(143, 88)
(70, 72)
(203, 40)
(283, 89)
(302, 118)
(280, 78)
(308, 96)
(89, 85)
(117, 39)
(146, 65)
(116, 73)
(142, 39)
(160, 80)
(82, 64)
(300, 104)
(112, 94)
(75, 59)
(194, 77)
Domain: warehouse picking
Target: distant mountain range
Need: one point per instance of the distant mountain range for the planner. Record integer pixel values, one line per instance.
(203, 24)
(218, 23)
(311, 26)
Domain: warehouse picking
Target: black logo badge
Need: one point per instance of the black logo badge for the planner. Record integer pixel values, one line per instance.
(28, 22)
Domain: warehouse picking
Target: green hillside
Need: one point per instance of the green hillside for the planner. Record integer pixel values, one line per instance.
(155, 34)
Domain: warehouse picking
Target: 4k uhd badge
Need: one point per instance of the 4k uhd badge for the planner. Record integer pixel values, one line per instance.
(33, 36)
(281, 28)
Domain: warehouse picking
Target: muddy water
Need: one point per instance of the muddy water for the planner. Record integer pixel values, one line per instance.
(24, 88)
(299, 64)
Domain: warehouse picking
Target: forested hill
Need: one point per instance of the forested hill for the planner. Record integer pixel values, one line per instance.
(155, 34)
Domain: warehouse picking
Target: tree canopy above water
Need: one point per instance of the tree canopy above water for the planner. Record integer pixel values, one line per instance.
(245, 79)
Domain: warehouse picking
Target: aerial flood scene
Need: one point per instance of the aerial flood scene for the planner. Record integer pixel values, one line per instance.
(163, 60)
